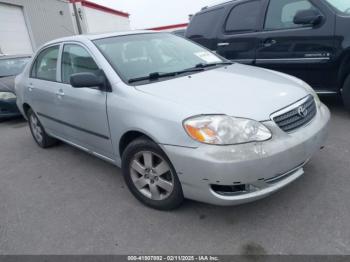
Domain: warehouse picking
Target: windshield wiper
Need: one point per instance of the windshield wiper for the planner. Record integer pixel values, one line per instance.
(203, 65)
(158, 75)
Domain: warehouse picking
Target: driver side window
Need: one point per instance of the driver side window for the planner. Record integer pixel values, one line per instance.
(75, 59)
(281, 13)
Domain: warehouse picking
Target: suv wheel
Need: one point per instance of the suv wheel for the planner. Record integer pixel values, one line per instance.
(38, 132)
(150, 175)
(346, 93)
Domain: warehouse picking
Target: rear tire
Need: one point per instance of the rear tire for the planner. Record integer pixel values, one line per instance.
(346, 93)
(150, 176)
(38, 131)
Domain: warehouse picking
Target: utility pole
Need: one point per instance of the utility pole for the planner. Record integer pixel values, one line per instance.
(76, 14)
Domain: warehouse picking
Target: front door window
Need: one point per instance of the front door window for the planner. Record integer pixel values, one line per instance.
(75, 59)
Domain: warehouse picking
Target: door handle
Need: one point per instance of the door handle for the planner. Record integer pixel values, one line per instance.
(60, 93)
(223, 44)
(31, 87)
(269, 42)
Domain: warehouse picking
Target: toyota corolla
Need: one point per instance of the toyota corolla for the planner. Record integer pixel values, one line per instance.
(181, 121)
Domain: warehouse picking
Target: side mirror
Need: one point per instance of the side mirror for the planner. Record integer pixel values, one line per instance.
(88, 80)
(308, 17)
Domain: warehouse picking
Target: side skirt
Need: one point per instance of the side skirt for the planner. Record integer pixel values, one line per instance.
(102, 157)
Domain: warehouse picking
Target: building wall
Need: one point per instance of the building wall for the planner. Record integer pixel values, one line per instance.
(46, 19)
(99, 22)
(95, 18)
(14, 36)
(51, 19)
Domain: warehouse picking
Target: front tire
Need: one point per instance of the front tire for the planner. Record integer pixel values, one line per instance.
(38, 132)
(150, 175)
(346, 93)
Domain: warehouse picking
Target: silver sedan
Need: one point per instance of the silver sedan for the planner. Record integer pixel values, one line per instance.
(181, 121)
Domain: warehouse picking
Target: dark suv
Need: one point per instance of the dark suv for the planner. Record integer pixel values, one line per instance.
(309, 39)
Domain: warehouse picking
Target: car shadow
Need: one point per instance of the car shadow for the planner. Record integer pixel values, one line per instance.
(14, 122)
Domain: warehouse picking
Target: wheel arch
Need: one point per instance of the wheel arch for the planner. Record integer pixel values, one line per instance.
(26, 108)
(130, 136)
(344, 69)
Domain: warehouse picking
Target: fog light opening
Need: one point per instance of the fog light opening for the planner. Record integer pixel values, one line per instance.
(230, 190)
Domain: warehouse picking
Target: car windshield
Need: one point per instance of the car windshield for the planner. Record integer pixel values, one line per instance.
(12, 66)
(341, 5)
(148, 57)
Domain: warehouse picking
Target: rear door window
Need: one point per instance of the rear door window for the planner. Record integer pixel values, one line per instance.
(280, 14)
(243, 17)
(45, 65)
(205, 24)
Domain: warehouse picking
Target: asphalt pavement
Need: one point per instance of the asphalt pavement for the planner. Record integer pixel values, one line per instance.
(64, 201)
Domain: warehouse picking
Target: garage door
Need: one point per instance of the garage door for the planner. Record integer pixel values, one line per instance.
(14, 36)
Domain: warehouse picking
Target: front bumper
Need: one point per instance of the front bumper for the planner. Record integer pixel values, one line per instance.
(259, 169)
(8, 109)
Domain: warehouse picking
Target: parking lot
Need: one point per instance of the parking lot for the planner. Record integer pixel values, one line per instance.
(64, 201)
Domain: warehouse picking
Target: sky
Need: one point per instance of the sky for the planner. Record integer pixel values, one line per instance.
(153, 13)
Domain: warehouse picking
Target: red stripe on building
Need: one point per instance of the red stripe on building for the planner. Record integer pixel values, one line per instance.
(168, 27)
(100, 8)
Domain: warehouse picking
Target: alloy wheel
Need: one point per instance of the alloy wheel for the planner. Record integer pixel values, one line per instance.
(152, 175)
(36, 128)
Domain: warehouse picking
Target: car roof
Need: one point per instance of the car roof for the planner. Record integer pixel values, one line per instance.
(221, 4)
(91, 37)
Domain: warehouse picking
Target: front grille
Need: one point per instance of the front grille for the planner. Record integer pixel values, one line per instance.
(298, 116)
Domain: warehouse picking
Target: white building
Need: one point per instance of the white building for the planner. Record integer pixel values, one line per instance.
(95, 18)
(27, 24)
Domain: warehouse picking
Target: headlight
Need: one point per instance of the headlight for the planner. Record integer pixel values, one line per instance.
(225, 130)
(7, 96)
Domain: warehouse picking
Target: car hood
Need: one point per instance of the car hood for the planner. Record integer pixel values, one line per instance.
(237, 90)
(7, 84)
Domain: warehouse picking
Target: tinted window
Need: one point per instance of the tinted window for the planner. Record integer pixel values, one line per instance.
(45, 66)
(75, 59)
(243, 17)
(281, 13)
(204, 24)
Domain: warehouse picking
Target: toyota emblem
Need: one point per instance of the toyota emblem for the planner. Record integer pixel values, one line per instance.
(302, 111)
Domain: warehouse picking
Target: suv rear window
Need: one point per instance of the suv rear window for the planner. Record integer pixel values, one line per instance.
(243, 17)
(204, 24)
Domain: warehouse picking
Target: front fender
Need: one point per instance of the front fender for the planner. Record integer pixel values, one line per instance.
(157, 119)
